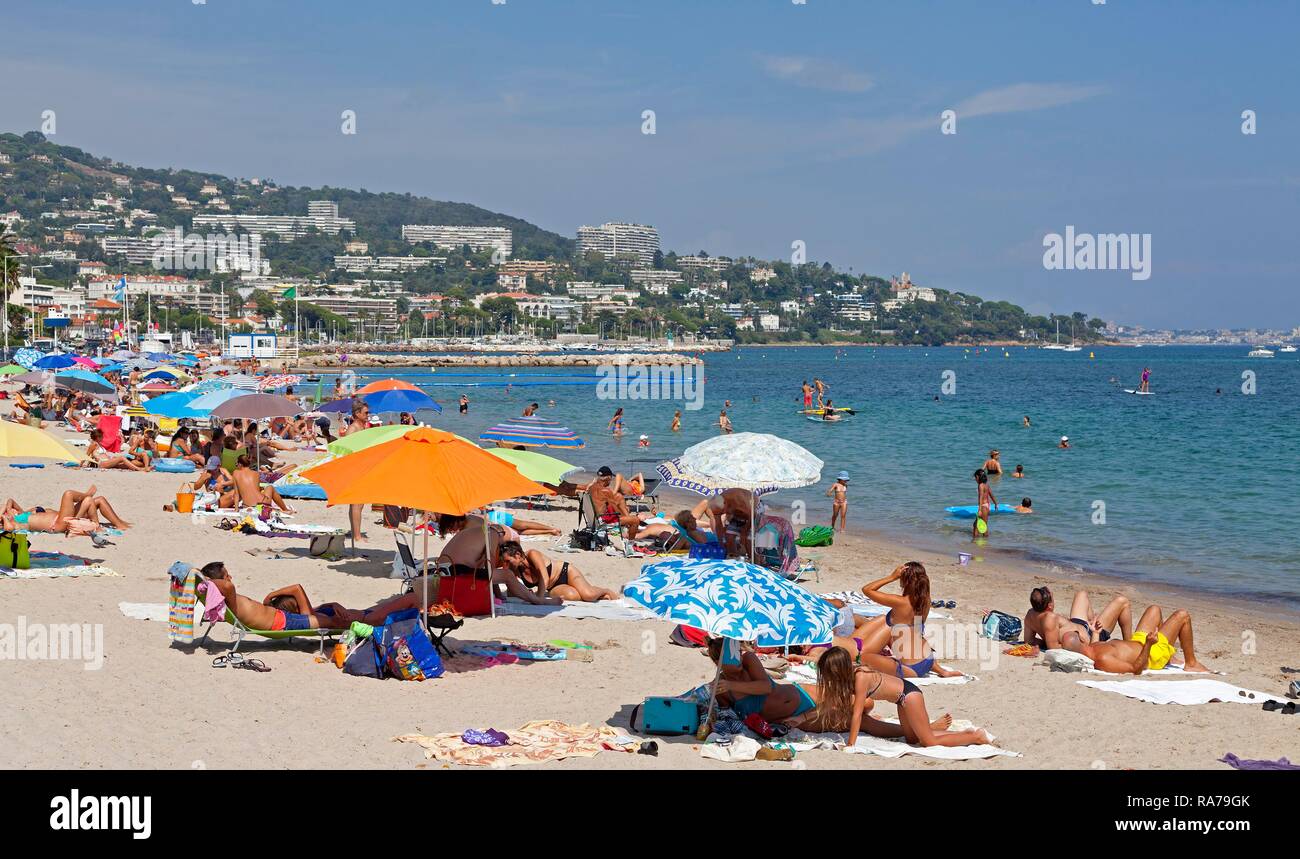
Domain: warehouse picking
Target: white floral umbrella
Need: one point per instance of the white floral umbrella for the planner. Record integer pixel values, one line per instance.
(759, 462)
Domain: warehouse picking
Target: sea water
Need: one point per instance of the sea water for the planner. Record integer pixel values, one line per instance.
(1188, 487)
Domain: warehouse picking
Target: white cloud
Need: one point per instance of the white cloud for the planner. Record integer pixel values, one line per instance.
(1018, 98)
(816, 74)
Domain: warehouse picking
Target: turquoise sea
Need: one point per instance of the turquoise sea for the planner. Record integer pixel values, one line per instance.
(1199, 487)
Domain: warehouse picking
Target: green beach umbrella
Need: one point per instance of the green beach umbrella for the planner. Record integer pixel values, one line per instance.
(537, 467)
(371, 437)
(11, 370)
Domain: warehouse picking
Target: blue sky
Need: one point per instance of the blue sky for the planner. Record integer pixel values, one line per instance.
(776, 122)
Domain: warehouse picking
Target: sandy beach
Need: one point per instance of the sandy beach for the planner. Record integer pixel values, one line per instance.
(153, 705)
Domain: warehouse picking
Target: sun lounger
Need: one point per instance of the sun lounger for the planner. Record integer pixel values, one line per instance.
(241, 630)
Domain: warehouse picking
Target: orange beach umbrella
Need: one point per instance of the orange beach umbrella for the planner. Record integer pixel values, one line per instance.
(429, 470)
(387, 385)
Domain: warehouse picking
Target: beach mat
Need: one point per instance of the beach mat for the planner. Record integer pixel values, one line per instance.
(1187, 692)
(603, 610)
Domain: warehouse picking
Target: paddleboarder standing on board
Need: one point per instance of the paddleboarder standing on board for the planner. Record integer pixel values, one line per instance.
(1145, 387)
(807, 395)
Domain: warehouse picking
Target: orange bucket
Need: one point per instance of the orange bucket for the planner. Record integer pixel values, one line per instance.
(184, 502)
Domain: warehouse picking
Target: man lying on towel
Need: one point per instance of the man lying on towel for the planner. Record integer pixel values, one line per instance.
(1045, 627)
(1150, 646)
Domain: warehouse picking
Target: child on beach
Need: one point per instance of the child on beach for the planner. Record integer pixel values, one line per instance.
(839, 492)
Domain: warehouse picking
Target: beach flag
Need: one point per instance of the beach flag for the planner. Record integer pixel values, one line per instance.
(120, 295)
(291, 292)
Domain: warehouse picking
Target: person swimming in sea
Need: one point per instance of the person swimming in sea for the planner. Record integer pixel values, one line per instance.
(677, 421)
(615, 425)
(992, 467)
(1026, 506)
(1065, 443)
(1019, 472)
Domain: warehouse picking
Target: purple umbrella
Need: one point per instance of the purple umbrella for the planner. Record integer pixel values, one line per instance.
(343, 406)
(257, 407)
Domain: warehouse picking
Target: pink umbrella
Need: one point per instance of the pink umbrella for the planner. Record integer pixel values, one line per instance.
(271, 383)
(88, 363)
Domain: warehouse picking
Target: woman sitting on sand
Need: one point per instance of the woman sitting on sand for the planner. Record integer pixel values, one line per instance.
(97, 457)
(74, 507)
(902, 629)
(548, 579)
(844, 697)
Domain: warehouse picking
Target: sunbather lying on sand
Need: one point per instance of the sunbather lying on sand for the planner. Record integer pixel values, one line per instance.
(548, 578)
(73, 507)
(1045, 627)
(525, 527)
(1150, 646)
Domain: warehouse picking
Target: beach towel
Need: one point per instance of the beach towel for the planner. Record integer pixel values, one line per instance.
(1241, 764)
(603, 610)
(72, 572)
(801, 741)
(536, 742)
(1186, 692)
(155, 611)
(489, 649)
(181, 602)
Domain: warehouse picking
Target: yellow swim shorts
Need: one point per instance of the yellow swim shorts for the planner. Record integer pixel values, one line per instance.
(1161, 652)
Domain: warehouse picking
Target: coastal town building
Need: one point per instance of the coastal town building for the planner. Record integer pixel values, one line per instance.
(447, 236)
(368, 263)
(616, 239)
(322, 217)
(656, 282)
(698, 263)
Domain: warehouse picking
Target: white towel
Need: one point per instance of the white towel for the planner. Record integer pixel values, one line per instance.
(603, 610)
(1182, 691)
(806, 673)
(1068, 660)
(868, 745)
(144, 610)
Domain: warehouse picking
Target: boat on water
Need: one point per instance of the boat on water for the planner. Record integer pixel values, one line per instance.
(1057, 345)
(1287, 348)
(1260, 352)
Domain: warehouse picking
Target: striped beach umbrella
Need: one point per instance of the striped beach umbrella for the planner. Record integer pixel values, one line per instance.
(271, 383)
(532, 432)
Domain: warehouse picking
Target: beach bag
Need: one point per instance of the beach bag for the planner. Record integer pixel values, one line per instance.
(394, 515)
(589, 539)
(667, 716)
(815, 535)
(407, 651)
(327, 545)
(470, 595)
(1000, 626)
(14, 552)
(364, 661)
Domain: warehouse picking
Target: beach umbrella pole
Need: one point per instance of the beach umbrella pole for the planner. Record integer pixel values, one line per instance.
(425, 578)
(487, 553)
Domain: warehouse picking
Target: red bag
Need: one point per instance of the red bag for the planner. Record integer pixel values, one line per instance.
(471, 595)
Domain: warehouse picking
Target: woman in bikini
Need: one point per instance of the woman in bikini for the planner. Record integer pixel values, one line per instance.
(902, 629)
(845, 696)
(562, 581)
(73, 505)
(98, 457)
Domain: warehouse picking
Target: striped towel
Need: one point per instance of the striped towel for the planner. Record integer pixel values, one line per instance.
(180, 609)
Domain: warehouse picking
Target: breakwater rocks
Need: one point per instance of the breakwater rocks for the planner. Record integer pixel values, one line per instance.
(335, 362)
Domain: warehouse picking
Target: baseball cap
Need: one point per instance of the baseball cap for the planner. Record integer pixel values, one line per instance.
(213, 462)
(605, 471)
(1065, 438)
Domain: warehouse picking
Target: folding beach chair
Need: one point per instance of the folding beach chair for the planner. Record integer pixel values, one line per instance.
(589, 520)
(241, 630)
(439, 624)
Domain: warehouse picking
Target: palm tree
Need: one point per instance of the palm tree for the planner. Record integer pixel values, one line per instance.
(9, 276)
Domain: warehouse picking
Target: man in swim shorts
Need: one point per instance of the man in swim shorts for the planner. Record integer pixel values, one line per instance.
(807, 395)
(1045, 627)
(287, 608)
(1150, 647)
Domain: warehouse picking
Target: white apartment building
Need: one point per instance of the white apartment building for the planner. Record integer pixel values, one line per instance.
(163, 289)
(583, 290)
(373, 314)
(769, 322)
(694, 263)
(791, 306)
(512, 282)
(10, 219)
(322, 216)
(447, 236)
(562, 308)
(656, 282)
(762, 274)
(916, 293)
(368, 263)
(619, 239)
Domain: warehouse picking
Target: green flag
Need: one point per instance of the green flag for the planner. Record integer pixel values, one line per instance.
(291, 292)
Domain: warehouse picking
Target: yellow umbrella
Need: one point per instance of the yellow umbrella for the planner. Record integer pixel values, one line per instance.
(20, 440)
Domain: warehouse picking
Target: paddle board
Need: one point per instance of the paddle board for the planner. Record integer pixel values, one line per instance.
(970, 511)
(819, 419)
(834, 409)
(1140, 393)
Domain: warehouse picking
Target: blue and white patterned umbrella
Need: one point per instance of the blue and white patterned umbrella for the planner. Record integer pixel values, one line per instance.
(758, 462)
(734, 599)
(27, 357)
